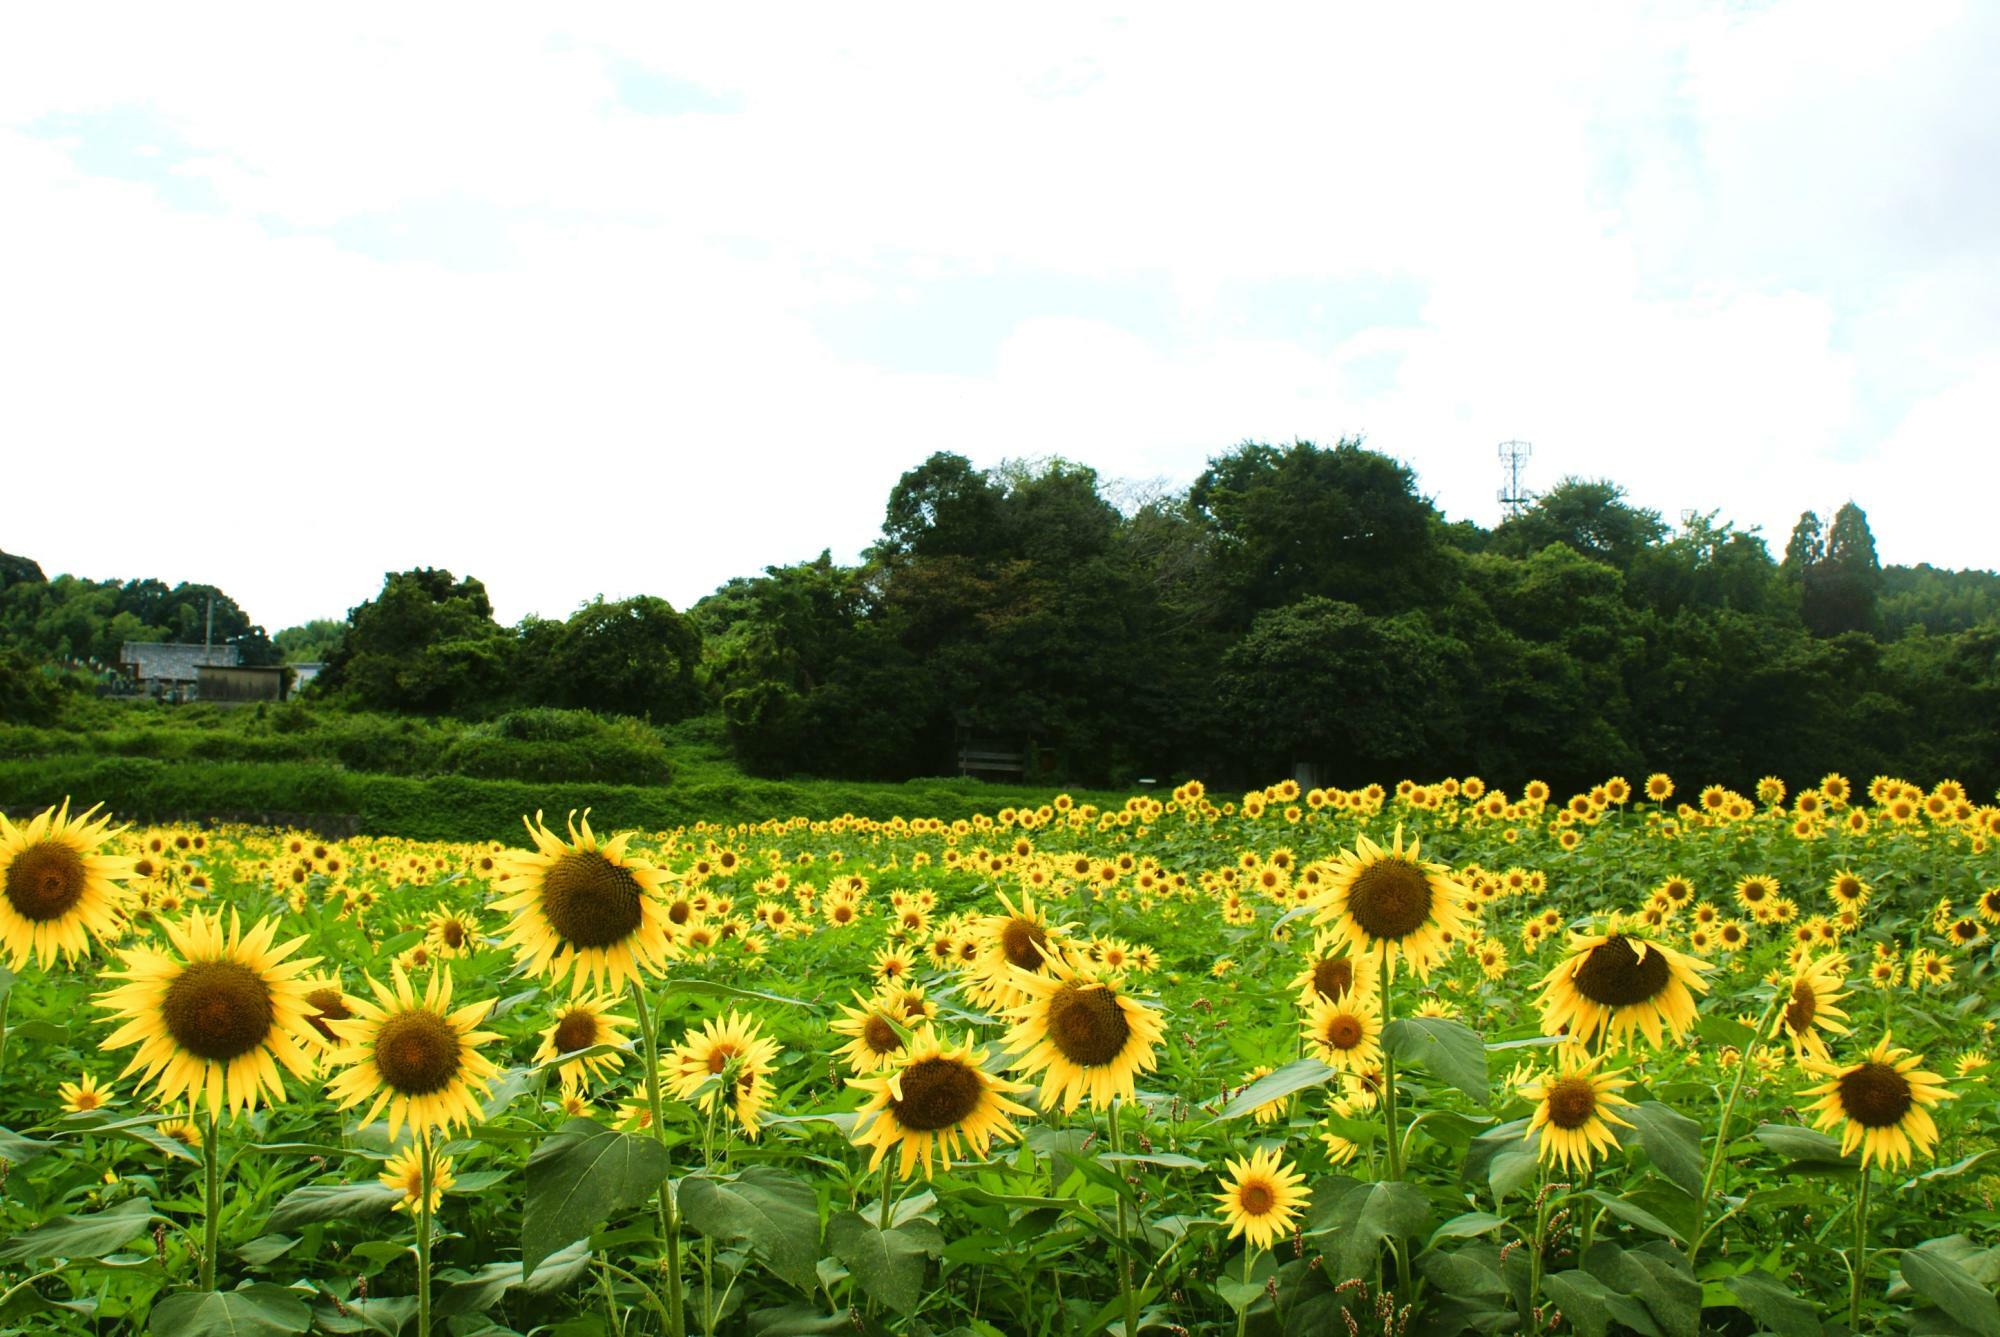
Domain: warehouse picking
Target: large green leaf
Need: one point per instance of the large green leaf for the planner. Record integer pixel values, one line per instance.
(1356, 1221)
(1808, 1148)
(1299, 1076)
(1448, 1050)
(332, 1202)
(776, 1213)
(1772, 1303)
(577, 1177)
(1942, 1280)
(258, 1310)
(888, 1264)
(1592, 1307)
(1672, 1139)
(717, 989)
(91, 1236)
(19, 1149)
(1632, 1213)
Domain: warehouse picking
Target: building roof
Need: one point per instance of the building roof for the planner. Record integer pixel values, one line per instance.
(172, 662)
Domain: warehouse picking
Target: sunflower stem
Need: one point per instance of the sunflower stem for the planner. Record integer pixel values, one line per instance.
(885, 1195)
(1249, 1265)
(1709, 1182)
(1529, 1322)
(211, 1201)
(1860, 1253)
(670, 1225)
(1124, 1240)
(426, 1173)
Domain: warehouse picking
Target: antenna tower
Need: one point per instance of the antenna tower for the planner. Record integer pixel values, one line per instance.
(1513, 463)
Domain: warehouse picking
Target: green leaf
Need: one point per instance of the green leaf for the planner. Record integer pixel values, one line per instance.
(1237, 1293)
(776, 1213)
(1299, 1076)
(1954, 1170)
(888, 1264)
(267, 1249)
(19, 1149)
(91, 1236)
(1169, 1160)
(1358, 1220)
(1466, 1225)
(257, 1310)
(332, 1202)
(1592, 1307)
(717, 989)
(1721, 1030)
(1808, 1147)
(1672, 1140)
(1943, 1281)
(1771, 1302)
(1448, 1050)
(39, 1031)
(580, 1175)
(1631, 1212)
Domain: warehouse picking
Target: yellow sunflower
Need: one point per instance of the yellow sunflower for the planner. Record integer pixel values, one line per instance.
(1574, 1109)
(58, 890)
(584, 905)
(82, 1095)
(1020, 941)
(329, 1004)
(1615, 982)
(1261, 1197)
(1346, 1034)
(215, 1020)
(1083, 1034)
(706, 1054)
(1881, 1104)
(452, 932)
(1394, 900)
(874, 1029)
(1815, 988)
(405, 1173)
(936, 1102)
(581, 1023)
(413, 1056)
(1331, 973)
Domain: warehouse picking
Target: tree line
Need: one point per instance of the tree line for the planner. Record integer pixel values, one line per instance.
(1295, 604)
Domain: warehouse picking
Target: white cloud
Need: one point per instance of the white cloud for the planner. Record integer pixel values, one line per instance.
(456, 304)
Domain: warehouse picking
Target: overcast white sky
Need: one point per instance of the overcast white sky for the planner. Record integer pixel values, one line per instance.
(639, 301)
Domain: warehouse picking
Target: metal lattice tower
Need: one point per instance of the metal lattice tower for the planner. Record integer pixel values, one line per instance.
(1513, 463)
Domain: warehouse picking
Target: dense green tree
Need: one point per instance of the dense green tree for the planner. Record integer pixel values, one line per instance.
(427, 643)
(634, 656)
(310, 643)
(1589, 516)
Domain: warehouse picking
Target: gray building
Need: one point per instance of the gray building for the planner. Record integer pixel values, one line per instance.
(167, 668)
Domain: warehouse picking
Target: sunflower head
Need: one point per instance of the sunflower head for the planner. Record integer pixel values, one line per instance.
(1881, 1104)
(584, 904)
(1617, 981)
(1575, 1109)
(413, 1055)
(1261, 1197)
(934, 1101)
(1083, 1033)
(1394, 901)
(58, 889)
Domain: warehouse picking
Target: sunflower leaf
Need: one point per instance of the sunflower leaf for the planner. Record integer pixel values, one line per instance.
(1299, 1076)
(718, 989)
(580, 1175)
(332, 1202)
(88, 1236)
(1941, 1280)
(1672, 1139)
(888, 1264)
(1448, 1050)
(259, 1310)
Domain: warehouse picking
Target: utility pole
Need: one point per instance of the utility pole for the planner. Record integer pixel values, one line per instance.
(1513, 463)
(208, 632)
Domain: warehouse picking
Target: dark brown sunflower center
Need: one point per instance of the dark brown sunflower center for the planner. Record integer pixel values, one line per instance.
(879, 1035)
(937, 1093)
(417, 1052)
(1800, 1011)
(577, 1030)
(1572, 1100)
(1344, 1031)
(218, 1010)
(589, 900)
(1022, 940)
(1875, 1095)
(453, 934)
(1390, 898)
(45, 880)
(679, 912)
(1087, 1026)
(1256, 1198)
(1615, 975)
(1333, 977)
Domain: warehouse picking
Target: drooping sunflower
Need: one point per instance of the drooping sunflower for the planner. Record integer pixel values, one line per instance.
(1815, 988)
(874, 1028)
(1261, 1197)
(585, 905)
(583, 1022)
(734, 1039)
(1020, 941)
(412, 1055)
(1575, 1108)
(1393, 899)
(1346, 1034)
(1615, 982)
(1332, 973)
(329, 1004)
(1083, 1034)
(1881, 1104)
(405, 1173)
(937, 1102)
(215, 1019)
(58, 889)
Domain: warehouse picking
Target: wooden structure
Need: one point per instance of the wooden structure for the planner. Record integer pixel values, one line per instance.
(238, 682)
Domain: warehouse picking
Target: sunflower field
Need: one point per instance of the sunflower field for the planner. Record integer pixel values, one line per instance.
(1429, 1059)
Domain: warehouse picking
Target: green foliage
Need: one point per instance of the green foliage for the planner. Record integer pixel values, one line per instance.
(29, 693)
